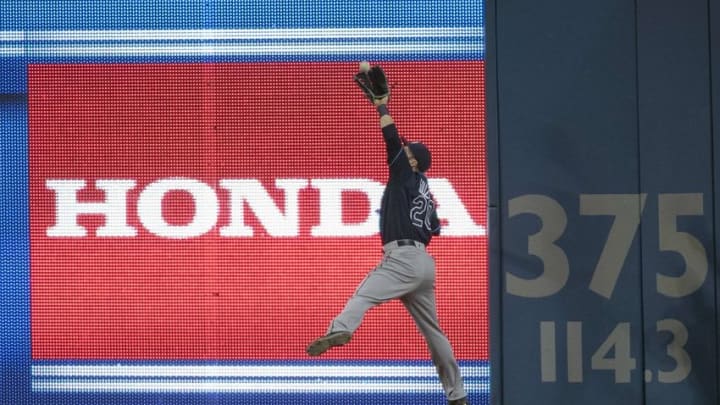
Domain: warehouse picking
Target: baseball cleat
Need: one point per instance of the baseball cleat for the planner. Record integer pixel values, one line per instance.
(461, 401)
(322, 344)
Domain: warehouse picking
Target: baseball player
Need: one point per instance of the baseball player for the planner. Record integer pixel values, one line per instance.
(407, 272)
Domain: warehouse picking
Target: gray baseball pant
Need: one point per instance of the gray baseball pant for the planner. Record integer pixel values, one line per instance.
(406, 273)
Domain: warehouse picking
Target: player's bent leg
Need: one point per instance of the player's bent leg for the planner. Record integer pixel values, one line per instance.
(343, 326)
(386, 282)
(352, 315)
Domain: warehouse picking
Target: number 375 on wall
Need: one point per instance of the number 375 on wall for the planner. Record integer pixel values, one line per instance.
(627, 211)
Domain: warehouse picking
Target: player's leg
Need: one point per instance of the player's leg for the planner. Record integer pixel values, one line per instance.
(342, 327)
(421, 305)
(388, 281)
(392, 278)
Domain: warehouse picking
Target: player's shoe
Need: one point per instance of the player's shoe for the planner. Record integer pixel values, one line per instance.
(322, 344)
(461, 401)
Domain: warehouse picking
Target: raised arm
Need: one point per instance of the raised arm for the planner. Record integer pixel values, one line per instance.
(374, 84)
(385, 118)
(393, 143)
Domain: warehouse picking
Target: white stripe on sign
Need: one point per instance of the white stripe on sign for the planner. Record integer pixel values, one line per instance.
(243, 49)
(243, 386)
(248, 371)
(239, 34)
(317, 41)
(15, 50)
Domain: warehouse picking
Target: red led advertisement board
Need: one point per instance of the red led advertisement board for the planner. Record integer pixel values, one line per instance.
(227, 211)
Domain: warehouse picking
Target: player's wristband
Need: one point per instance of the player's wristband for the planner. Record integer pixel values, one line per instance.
(382, 109)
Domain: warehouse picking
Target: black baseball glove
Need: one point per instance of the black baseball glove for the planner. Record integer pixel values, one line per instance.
(373, 83)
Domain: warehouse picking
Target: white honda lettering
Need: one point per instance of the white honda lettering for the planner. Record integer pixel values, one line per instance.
(67, 208)
(450, 208)
(261, 203)
(149, 208)
(277, 222)
(331, 223)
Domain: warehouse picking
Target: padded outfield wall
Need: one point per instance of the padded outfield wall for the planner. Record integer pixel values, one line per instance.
(603, 143)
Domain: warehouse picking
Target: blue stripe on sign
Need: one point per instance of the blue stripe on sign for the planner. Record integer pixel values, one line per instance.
(14, 246)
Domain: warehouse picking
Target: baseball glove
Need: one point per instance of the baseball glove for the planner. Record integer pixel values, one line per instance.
(373, 83)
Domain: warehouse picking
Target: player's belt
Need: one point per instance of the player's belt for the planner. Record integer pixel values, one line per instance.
(403, 242)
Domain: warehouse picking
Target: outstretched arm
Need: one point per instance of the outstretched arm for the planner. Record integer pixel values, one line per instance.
(393, 143)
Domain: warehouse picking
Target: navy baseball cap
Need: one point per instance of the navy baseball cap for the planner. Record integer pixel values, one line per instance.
(422, 155)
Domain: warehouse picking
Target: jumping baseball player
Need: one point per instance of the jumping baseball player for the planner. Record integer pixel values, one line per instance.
(407, 223)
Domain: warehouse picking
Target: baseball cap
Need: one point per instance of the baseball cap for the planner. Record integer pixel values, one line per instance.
(422, 155)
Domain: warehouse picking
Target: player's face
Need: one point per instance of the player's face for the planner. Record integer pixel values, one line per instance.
(411, 158)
